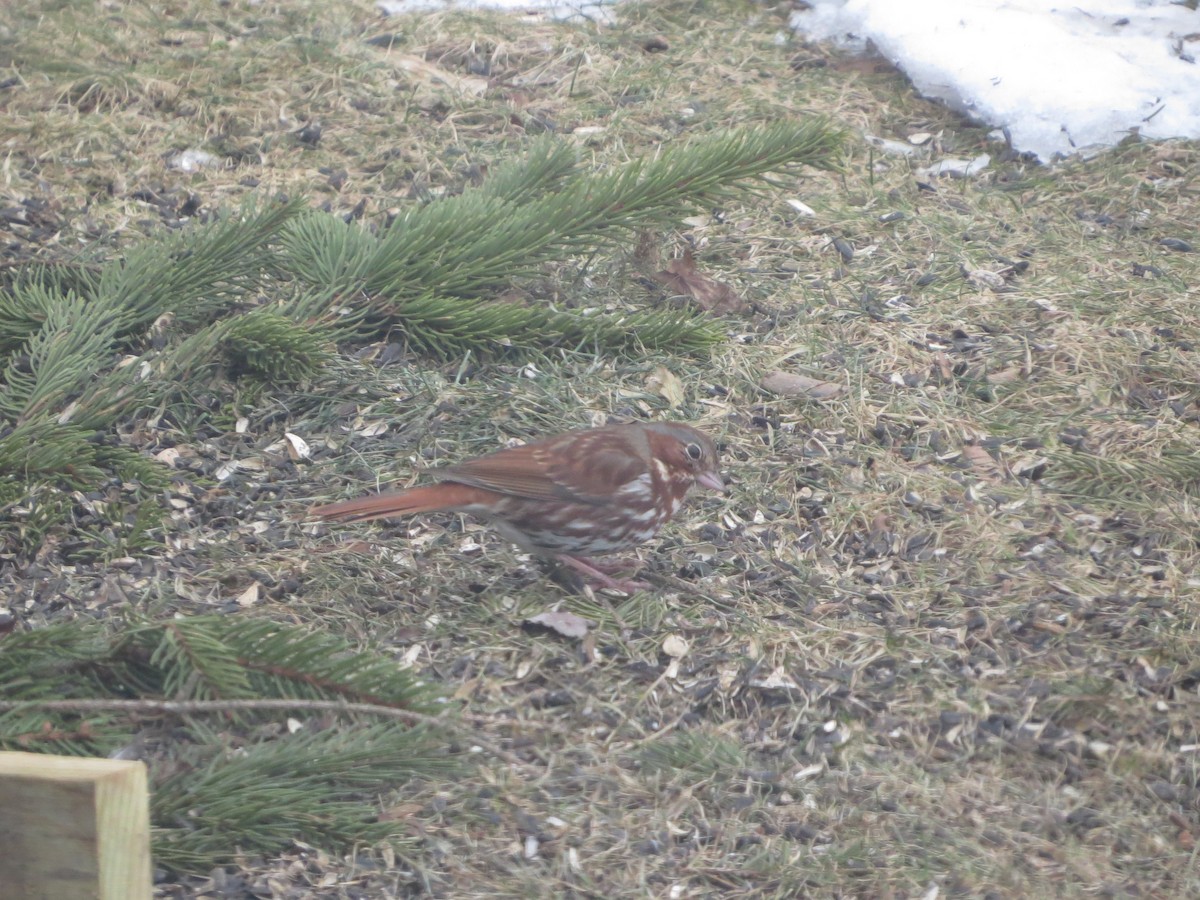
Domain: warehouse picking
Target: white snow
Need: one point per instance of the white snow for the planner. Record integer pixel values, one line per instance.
(1057, 78)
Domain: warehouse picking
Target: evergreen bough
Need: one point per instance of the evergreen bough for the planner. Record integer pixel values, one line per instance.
(248, 786)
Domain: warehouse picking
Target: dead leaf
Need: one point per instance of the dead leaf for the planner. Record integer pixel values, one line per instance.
(1029, 466)
(981, 460)
(564, 623)
(727, 677)
(666, 384)
(791, 384)
(681, 276)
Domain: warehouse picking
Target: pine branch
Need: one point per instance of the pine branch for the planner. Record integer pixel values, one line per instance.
(1132, 478)
(32, 290)
(61, 386)
(315, 785)
(446, 326)
(469, 246)
(60, 359)
(194, 707)
(33, 451)
(289, 662)
(209, 657)
(200, 658)
(208, 707)
(198, 274)
(432, 275)
(266, 344)
(547, 166)
(318, 787)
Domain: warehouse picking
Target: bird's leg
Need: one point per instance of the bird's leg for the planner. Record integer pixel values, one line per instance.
(611, 566)
(589, 570)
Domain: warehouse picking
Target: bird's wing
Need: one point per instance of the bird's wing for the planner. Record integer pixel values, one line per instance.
(578, 467)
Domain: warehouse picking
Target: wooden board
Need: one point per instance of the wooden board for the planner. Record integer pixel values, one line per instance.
(73, 828)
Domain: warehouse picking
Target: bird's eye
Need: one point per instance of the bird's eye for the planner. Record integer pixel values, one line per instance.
(694, 451)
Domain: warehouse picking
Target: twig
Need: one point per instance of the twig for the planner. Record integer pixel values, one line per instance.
(190, 707)
(185, 707)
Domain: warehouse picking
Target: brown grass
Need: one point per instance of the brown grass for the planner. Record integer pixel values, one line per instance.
(942, 635)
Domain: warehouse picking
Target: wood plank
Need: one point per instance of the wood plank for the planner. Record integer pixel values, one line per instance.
(73, 828)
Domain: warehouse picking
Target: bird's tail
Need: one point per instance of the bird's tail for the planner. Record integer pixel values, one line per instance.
(427, 498)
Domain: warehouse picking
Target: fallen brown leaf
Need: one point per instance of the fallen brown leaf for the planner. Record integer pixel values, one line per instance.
(790, 384)
(666, 384)
(981, 461)
(681, 276)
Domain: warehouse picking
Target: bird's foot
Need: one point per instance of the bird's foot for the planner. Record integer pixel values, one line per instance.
(595, 572)
(611, 566)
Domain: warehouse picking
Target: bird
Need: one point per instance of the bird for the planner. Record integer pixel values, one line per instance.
(568, 497)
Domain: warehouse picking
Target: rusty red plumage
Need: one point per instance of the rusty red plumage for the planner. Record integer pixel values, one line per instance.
(572, 496)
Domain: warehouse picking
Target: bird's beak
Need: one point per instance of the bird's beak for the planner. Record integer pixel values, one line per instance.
(711, 480)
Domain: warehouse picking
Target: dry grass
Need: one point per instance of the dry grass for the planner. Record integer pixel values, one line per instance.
(943, 632)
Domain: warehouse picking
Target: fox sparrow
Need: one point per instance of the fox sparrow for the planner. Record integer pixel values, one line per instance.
(592, 491)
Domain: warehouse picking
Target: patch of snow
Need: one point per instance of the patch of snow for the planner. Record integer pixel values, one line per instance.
(1057, 79)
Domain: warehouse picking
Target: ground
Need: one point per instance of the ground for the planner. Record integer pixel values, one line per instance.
(940, 638)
